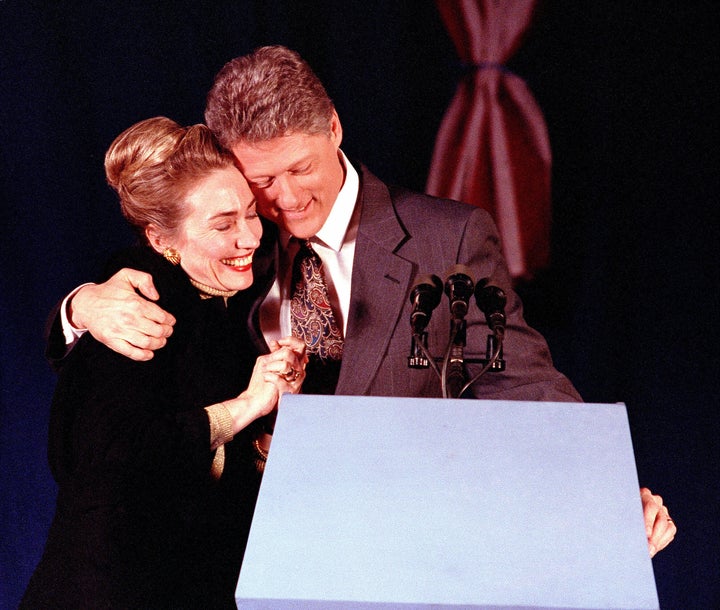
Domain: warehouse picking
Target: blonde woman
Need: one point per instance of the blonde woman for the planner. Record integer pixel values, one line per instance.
(158, 463)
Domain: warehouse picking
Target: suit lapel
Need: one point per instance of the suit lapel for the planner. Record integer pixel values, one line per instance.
(380, 282)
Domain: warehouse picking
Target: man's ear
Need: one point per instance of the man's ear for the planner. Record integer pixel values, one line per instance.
(336, 132)
(156, 239)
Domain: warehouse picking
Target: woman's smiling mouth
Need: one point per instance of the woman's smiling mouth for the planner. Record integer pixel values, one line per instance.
(239, 263)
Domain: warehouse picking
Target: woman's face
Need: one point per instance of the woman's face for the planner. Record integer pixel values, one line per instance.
(217, 239)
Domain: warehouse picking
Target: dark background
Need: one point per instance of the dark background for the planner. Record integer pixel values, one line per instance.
(629, 305)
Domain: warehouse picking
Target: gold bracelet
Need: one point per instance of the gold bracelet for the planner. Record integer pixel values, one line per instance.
(260, 451)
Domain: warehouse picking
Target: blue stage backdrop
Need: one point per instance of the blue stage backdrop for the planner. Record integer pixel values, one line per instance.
(629, 305)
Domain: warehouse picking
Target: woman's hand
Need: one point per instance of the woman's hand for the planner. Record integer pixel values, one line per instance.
(280, 371)
(294, 375)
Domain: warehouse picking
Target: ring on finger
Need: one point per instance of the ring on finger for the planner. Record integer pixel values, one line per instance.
(290, 375)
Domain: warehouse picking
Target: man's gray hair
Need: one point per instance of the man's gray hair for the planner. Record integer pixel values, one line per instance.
(269, 93)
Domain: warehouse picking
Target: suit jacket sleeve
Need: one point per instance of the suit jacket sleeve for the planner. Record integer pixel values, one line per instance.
(530, 373)
(401, 235)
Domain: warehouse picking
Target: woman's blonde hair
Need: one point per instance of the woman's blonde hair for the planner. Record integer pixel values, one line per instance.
(154, 164)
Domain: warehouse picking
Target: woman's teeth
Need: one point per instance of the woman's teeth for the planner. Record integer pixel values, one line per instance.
(242, 261)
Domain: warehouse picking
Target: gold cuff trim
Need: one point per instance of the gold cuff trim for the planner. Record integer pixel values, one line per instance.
(218, 463)
(221, 425)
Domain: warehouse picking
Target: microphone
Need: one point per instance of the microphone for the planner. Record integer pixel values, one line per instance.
(459, 289)
(491, 300)
(425, 296)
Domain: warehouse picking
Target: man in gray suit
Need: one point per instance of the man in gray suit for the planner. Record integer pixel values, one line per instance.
(273, 113)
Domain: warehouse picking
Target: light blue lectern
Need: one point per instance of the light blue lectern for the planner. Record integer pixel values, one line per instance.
(372, 502)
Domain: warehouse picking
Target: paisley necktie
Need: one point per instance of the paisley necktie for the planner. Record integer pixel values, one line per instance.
(313, 321)
(311, 316)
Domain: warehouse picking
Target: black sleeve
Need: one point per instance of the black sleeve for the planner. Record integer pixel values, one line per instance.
(122, 419)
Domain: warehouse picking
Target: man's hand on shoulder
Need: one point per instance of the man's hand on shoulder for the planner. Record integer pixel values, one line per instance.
(116, 315)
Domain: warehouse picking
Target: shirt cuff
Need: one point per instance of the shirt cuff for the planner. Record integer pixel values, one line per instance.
(70, 333)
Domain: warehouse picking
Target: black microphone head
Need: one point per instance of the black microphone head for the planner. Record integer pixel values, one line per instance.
(489, 297)
(491, 300)
(425, 296)
(459, 288)
(429, 286)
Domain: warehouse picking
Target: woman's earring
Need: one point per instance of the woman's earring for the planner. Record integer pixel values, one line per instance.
(172, 255)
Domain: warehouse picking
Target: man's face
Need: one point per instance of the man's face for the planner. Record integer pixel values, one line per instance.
(295, 178)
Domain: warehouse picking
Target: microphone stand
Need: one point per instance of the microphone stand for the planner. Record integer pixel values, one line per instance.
(453, 371)
(421, 358)
(493, 361)
(490, 299)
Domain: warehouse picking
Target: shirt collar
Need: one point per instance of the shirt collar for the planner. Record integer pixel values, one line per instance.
(332, 233)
